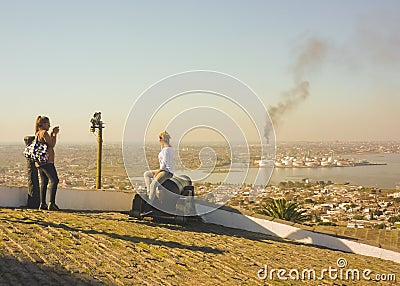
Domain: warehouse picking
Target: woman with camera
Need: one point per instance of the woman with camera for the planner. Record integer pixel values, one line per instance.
(47, 171)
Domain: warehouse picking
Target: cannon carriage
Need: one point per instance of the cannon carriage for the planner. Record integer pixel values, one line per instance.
(173, 202)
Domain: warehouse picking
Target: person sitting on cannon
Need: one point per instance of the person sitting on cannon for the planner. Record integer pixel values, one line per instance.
(154, 178)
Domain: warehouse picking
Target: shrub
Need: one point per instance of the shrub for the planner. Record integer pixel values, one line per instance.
(327, 223)
(282, 209)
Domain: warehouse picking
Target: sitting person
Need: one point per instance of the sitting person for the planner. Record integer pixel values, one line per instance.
(154, 178)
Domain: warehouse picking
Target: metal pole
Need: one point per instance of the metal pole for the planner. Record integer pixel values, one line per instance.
(99, 151)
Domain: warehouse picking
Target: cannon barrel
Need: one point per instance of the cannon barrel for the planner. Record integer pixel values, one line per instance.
(177, 184)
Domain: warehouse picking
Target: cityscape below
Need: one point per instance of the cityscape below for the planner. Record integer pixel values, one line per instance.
(326, 202)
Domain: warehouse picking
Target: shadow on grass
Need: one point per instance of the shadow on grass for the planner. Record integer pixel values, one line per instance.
(21, 271)
(134, 239)
(255, 231)
(319, 239)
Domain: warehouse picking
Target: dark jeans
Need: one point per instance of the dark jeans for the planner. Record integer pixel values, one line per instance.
(33, 185)
(48, 173)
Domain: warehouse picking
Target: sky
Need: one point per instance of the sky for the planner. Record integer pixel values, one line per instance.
(327, 70)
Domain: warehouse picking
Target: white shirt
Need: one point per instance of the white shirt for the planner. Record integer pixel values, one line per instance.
(166, 158)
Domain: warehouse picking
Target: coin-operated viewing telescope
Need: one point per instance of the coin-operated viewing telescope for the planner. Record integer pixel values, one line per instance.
(97, 126)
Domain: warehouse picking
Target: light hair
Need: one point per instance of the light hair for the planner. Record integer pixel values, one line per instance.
(40, 120)
(164, 136)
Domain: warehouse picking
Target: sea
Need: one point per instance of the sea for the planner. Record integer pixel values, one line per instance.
(377, 176)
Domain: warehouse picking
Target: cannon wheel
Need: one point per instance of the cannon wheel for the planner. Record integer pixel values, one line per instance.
(181, 219)
(136, 207)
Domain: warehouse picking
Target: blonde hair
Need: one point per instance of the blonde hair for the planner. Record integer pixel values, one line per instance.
(164, 136)
(40, 120)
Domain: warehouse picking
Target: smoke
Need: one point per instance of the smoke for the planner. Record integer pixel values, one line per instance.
(376, 45)
(309, 57)
(291, 99)
(373, 46)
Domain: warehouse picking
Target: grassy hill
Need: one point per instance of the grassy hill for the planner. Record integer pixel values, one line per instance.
(382, 238)
(388, 239)
(97, 248)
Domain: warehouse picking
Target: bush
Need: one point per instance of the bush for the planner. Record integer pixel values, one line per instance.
(327, 223)
(283, 209)
(380, 226)
(358, 217)
(394, 219)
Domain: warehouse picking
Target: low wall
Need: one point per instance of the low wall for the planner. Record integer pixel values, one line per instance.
(13, 197)
(240, 221)
(73, 199)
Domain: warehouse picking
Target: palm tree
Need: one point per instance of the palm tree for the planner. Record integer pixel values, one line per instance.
(282, 209)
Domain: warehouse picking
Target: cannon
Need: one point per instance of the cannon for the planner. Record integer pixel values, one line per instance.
(181, 206)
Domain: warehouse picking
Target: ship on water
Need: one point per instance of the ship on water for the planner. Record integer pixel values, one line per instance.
(265, 163)
(320, 162)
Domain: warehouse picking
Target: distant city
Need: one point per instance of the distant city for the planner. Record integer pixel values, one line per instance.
(330, 204)
(327, 202)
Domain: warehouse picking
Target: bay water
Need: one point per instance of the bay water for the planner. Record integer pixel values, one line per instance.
(379, 176)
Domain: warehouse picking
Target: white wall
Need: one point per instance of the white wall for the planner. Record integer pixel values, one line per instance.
(240, 221)
(13, 197)
(72, 199)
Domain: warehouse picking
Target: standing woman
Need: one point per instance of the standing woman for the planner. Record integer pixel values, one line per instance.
(166, 171)
(47, 171)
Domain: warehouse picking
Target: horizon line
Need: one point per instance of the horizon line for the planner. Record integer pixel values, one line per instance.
(213, 142)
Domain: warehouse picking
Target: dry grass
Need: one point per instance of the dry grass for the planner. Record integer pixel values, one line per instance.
(78, 248)
(388, 239)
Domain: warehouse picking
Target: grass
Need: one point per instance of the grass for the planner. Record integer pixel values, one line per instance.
(388, 239)
(89, 248)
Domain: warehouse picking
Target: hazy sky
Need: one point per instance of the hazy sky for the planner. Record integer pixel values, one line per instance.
(68, 59)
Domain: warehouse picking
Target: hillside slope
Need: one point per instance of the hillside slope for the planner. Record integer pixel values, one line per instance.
(89, 248)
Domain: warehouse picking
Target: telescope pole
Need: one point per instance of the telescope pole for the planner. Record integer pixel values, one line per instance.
(99, 153)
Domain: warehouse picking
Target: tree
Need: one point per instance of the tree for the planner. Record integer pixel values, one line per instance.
(394, 219)
(282, 209)
(358, 217)
(283, 184)
(327, 223)
(380, 226)
(308, 201)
